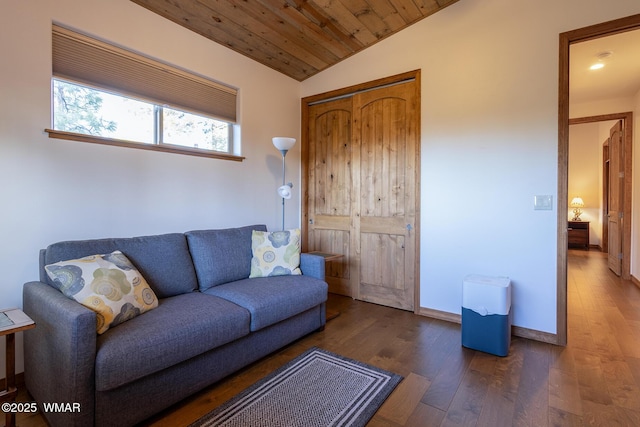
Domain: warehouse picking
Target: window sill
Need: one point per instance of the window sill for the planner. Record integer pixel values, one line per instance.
(71, 136)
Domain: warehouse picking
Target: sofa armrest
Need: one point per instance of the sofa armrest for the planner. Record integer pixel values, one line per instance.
(312, 265)
(60, 353)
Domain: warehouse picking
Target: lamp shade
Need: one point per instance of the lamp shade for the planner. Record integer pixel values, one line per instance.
(577, 202)
(284, 191)
(283, 143)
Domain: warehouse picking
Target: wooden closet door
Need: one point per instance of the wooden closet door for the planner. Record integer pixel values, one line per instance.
(385, 123)
(361, 157)
(330, 188)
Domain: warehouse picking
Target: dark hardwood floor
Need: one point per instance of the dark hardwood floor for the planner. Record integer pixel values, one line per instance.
(593, 381)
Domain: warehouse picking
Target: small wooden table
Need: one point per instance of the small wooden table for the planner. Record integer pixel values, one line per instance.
(12, 320)
(328, 257)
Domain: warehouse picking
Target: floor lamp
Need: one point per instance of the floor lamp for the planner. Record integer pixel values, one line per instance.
(284, 144)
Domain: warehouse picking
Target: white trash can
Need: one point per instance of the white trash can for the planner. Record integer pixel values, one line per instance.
(486, 314)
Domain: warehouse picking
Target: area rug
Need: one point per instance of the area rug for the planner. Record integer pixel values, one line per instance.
(316, 389)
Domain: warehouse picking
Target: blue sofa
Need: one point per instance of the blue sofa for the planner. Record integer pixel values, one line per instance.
(211, 320)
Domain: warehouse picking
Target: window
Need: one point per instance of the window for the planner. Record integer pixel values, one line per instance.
(105, 94)
(87, 111)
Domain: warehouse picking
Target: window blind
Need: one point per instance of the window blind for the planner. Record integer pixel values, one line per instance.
(86, 60)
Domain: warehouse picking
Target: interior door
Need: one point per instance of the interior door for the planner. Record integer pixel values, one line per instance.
(361, 159)
(385, 147)
(605, 196)
(615, 204)
(330, 188)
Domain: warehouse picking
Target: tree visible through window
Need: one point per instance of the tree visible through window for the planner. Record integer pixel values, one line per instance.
(85, 110)
(192, 130)
(78, 109)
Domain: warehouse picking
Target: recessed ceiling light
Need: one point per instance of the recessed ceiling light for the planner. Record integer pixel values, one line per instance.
(602, 56)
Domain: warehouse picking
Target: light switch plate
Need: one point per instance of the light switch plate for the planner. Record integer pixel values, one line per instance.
(542, 203)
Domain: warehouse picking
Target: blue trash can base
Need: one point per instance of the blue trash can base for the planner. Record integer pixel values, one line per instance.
(489, 334)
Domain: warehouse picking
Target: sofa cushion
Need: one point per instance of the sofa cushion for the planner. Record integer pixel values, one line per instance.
(272, 299)
(107, 284)
(221, 256)
(163, 260)
(275, 253)
(181, 327)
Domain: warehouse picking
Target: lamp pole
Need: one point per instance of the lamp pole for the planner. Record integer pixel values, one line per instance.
(283, 144)
(284, 153)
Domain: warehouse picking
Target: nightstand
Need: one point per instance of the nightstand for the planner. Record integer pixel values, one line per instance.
(578, 234)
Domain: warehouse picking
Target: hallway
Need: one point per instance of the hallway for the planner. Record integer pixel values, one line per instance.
(599, 370)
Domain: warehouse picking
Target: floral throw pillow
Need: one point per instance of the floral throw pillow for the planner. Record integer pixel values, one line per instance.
(108, 284)
(275, 253)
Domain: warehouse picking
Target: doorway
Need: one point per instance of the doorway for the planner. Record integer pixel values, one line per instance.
(360, 171)
(565, 40)
(616, 192)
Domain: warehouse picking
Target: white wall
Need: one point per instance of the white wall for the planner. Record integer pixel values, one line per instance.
(52, 190)
(490, 136)
(601, 107)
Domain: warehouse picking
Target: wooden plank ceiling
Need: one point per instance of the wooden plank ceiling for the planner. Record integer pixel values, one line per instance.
(296, 37)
